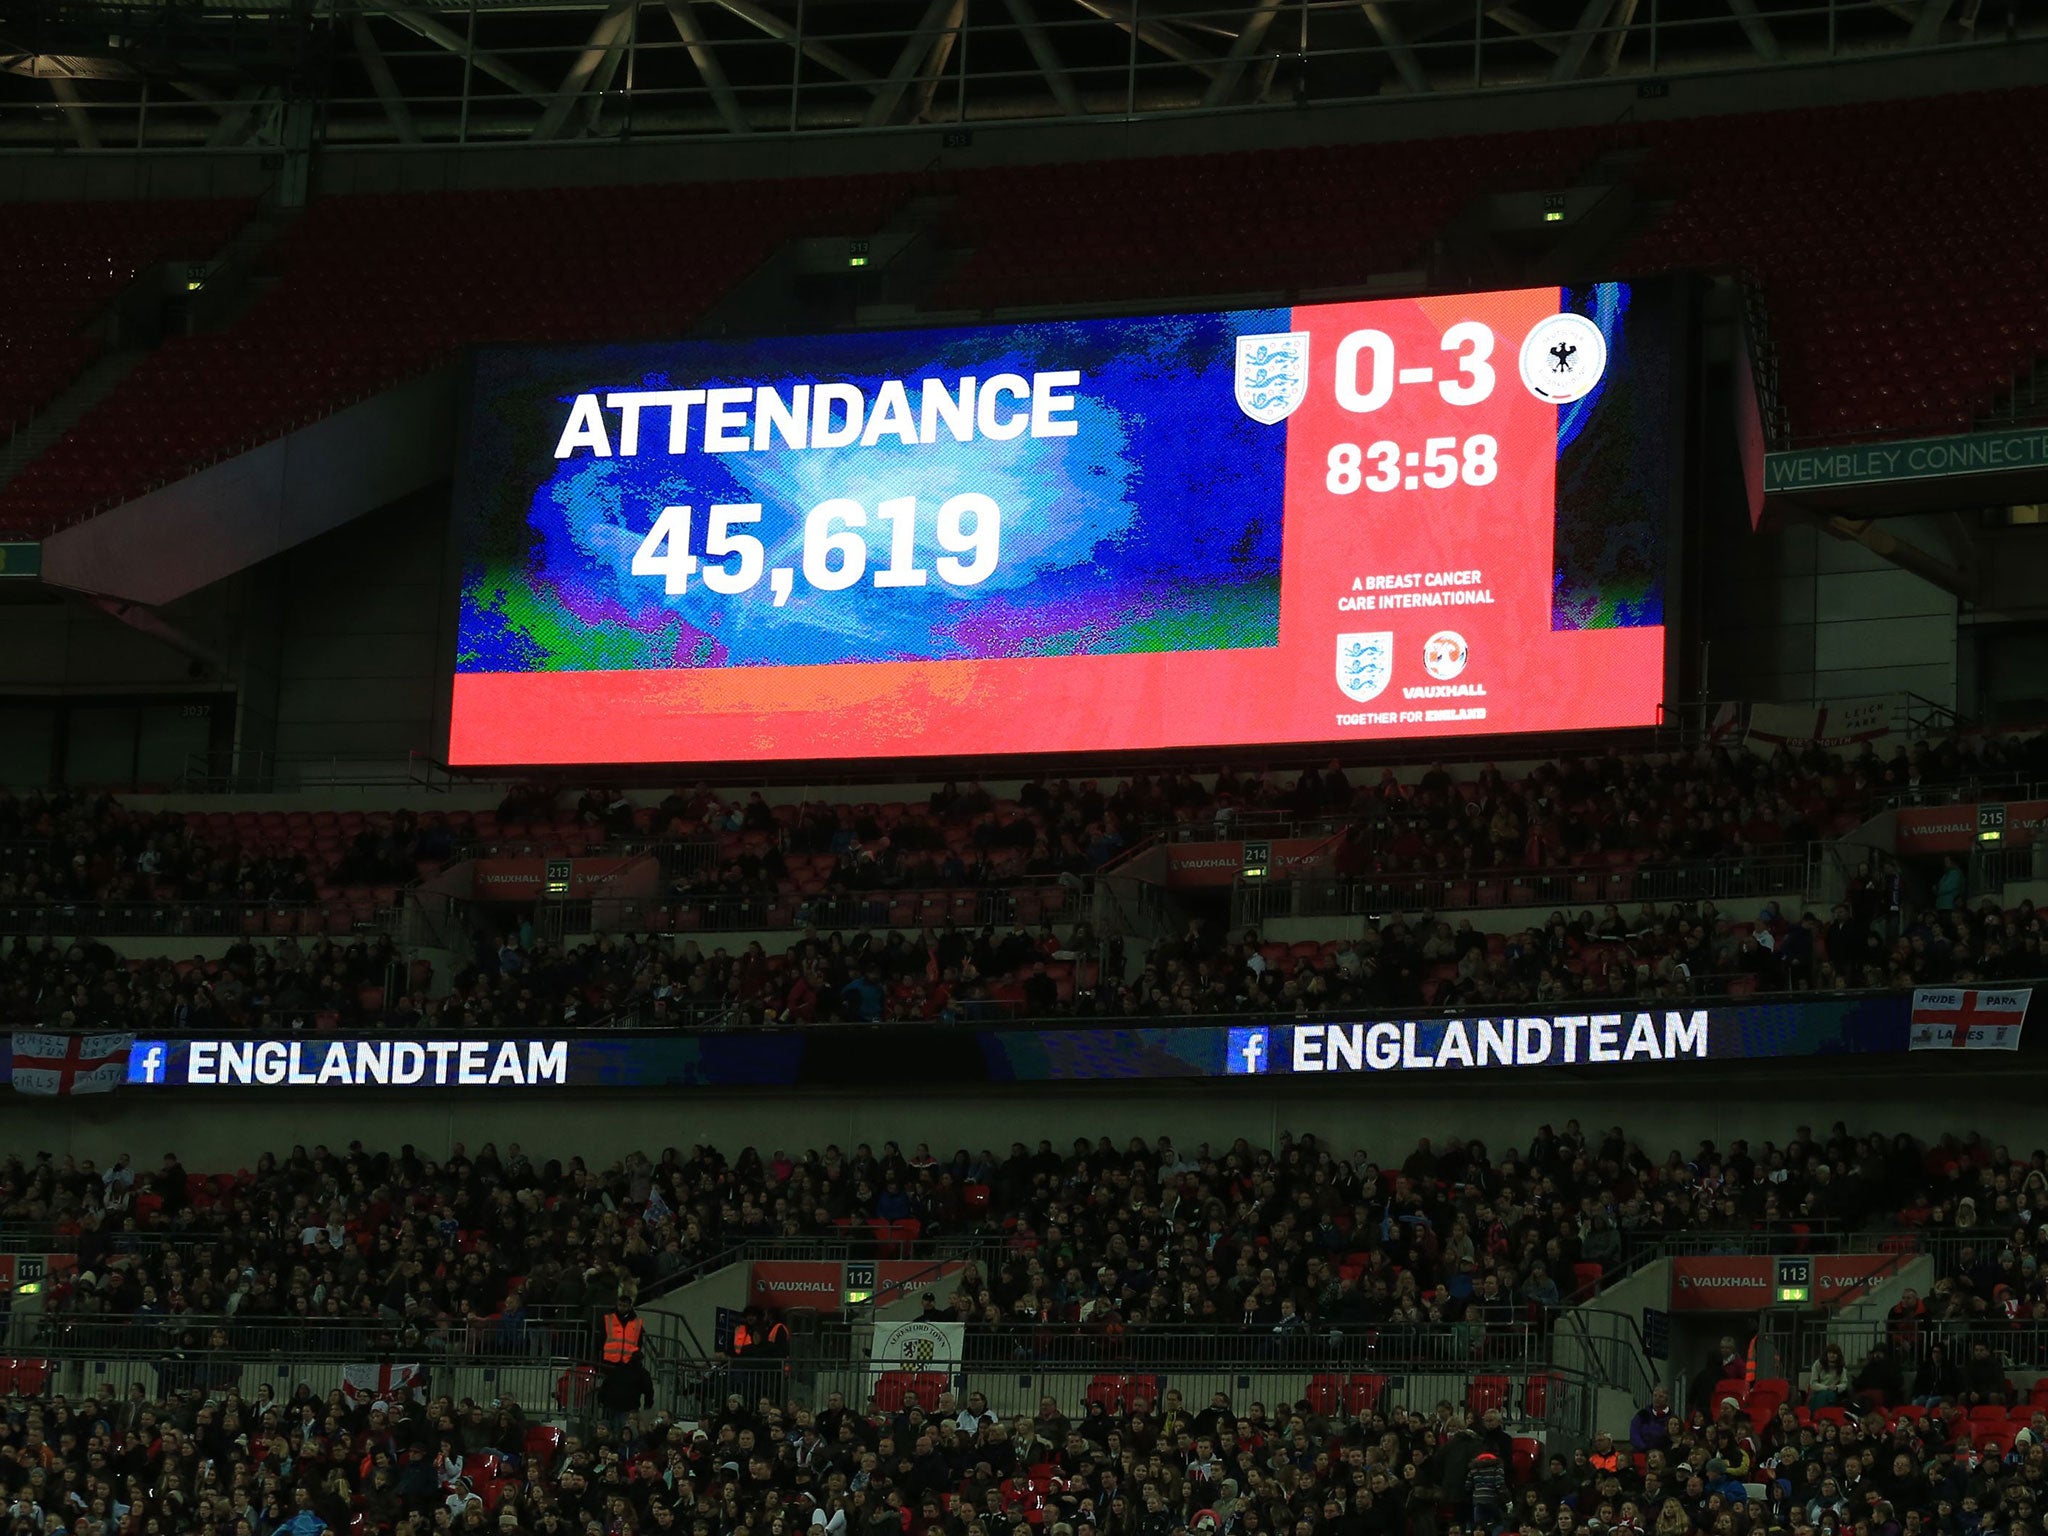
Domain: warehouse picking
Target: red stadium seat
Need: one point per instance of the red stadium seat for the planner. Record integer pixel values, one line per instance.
(1362, 1393)
(1487, 1392)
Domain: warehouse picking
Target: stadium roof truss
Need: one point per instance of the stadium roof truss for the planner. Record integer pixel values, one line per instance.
(201, 73)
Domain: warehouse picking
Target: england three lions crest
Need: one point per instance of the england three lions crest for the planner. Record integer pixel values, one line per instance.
(1365, 664)
(1272, 375)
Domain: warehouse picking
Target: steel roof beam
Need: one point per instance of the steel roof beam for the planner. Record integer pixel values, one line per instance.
(1617, 37)
(705, 57)
(1046, 58)
(75, 112)
(1250, 38)
(1525, 29)
(607, 40)
(940, 17)
(378, 68)
(1757, 30)
(1154, 35)
(1406, 64)
(485, 63)
(925, 90)
(1572, 62)
(817, 52)
(1927, 25)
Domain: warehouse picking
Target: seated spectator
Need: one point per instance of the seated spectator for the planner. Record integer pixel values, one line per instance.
(1878, 1379)
(1828, 1381)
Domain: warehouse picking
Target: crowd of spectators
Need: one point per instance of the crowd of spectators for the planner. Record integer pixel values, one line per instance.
(514, 980)
(272, 986)
(225, 1465)
(1581, 810)
(1124, 1238)
(1104, 1238)
(840, 879)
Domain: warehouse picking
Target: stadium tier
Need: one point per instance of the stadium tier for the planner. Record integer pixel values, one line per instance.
(1123, 231)
(1853, 329)
(367, 291)
(1385, 1329)
(969, 906)
(1930, 324)
(1349, 1240)
(61, 270)
(1597, 812)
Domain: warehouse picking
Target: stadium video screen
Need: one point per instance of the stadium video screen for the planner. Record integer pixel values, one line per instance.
(1345, 522)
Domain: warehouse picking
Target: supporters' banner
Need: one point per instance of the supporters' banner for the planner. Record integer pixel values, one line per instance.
(780, 1284)
(1744, 1283)
(62, 1064)
(1954, 828)
(1968, 1018)
(383, 1383)
(918, 1346)
(1830, 725)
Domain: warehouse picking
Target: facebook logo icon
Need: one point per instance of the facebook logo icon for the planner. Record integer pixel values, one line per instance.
(1249, 1051)
(146, 1060)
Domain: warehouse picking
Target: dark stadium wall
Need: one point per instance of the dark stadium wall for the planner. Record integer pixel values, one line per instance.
(360, 673)
(246, 509)
(1793, 614)
(333, 650)
(1797, 616)
(91, 696)
(228, 1131)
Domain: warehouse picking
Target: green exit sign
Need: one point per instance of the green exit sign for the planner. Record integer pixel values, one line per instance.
(1795, 1282)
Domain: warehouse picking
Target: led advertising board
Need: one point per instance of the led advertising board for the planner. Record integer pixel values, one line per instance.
(1336, 523)
(1335, 1048)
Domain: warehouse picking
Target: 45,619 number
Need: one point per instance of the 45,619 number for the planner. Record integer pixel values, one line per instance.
(834, 547)
(1440, 462)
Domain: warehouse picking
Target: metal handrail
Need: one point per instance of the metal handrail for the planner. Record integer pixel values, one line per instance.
(1057, 1022)
(154, 1335)
(1372, 895)
(998, 904)
(2022, 1342)
(1613, 1342)
(844, 1342)
(854, 1244)
(175, 919)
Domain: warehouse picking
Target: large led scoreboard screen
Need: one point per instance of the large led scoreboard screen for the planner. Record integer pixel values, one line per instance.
(1342, 522)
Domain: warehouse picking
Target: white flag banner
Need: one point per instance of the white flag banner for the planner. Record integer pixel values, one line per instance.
(382, 1383)
(50, 1064)
(1860, 719)
(1837, 724)
(918, 1346)
(1968, 1018)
